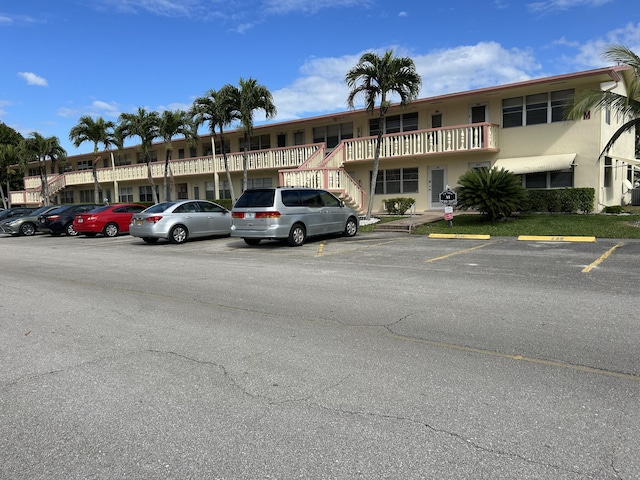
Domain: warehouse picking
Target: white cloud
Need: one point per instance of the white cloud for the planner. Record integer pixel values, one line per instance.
(33, 79)
(554, 5)
(321, 87)
(589, 54)
(403, 14)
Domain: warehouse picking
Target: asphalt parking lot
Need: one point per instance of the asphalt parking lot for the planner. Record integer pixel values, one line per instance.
(384, 355)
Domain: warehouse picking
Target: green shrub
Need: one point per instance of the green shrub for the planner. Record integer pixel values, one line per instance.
(398, 206)
(495, 193)
(563, 200)
(224, 202)
(613, 209)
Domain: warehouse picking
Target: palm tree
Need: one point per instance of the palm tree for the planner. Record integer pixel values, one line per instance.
(37, 148)
(96, 131)
(9, 157)
(626, 106)
(172, 123)
(216, 109)
(375, 76)
(245, 100)
(145, 125)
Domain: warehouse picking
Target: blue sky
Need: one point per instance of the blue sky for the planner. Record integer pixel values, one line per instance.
(62, 59)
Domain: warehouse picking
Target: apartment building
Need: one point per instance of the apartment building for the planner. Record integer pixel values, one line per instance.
(426, 145)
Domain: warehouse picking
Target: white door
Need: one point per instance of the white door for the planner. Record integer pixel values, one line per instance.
(437, 183)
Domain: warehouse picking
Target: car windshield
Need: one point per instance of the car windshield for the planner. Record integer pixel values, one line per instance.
(159, 207)
(256, 198)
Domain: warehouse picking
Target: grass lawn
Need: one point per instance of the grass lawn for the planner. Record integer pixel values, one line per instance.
(596, 225)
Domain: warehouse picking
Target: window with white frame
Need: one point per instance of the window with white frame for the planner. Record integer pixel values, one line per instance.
(535, 109)
(257, 142)
(87, 196)
(83, 165)
(125, 194)
(547, 180)
(227, 146)
(332, 135)
(266, 182)
(67, 197)
(608, 172)
(146, 193)
(405, 122)
(183, 191)
(397, 180)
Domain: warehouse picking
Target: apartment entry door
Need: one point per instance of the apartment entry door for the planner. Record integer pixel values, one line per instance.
(437, 183)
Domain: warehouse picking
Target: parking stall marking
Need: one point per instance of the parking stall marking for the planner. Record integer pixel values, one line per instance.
(601, 259)
(459, 252)
(321, 252)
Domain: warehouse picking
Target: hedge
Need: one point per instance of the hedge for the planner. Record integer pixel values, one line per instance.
(564, 200)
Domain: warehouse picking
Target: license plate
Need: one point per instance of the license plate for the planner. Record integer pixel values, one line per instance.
(80, 220)
(139, 221)
(249, 215)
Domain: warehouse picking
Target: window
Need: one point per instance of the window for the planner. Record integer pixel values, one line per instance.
(395, 124)
(125, 194)
(227, 146)
(86, 196)
(124, 159)
(479, 114)
(183, 192)
(608, 172)
(84, 165)
(193, 152)
(153, 157)
(332, 135)
(181, 153)
(535, 109)
(259, 142)
(436, 120)
(555, 179)
(298, 137)
(206, 149)
(67, 197)
(259, 183)
(146, 194)
(399, 180)
(281, 140)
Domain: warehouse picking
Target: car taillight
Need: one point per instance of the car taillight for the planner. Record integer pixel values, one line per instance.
(92, 218)
(154, 219)
(268, 215)
(52, 218)
(237, 214)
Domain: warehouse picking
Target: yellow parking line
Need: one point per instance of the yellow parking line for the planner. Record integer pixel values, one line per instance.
(555, 238)
(459, 235)
(458, 252)
(601, 259)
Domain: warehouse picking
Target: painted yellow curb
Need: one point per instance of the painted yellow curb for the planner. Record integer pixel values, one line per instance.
(459, 235)
(551, 238)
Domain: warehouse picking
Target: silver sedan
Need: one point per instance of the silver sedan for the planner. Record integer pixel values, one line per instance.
(180, 221)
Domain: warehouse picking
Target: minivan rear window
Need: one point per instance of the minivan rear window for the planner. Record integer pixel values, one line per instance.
(256, 198)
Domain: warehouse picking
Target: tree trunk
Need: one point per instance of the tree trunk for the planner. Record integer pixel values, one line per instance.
(167, 192)
(376, 164)
(4, 200)
(245, 162)
(154, 194)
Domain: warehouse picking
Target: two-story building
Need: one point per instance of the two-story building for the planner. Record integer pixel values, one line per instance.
(427, 145)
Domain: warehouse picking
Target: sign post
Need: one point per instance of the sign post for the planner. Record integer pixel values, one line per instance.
(448, 198)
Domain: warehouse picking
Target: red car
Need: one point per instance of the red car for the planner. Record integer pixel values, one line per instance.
(109, 220)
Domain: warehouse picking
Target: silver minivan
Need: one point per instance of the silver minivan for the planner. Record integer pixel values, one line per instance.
(291, 214)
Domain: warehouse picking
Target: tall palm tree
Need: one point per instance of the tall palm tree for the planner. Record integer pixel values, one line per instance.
(246, 99)
(38, 148)
(172, 123)
(96, 131)
(375, 76)
(9, 157)
(626, 106)
(215, 108)
(145, 125)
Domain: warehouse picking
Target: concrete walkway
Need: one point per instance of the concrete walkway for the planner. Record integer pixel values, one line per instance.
(408, 224)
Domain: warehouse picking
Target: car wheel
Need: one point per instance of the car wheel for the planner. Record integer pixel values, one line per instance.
(68, 229)
(178, 234)
(149, 239)
(251, 241)
(27, 229)
(110, 230)
(351, 227)
(297, 235)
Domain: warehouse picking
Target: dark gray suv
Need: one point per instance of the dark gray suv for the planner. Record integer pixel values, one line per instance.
(291, 214)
